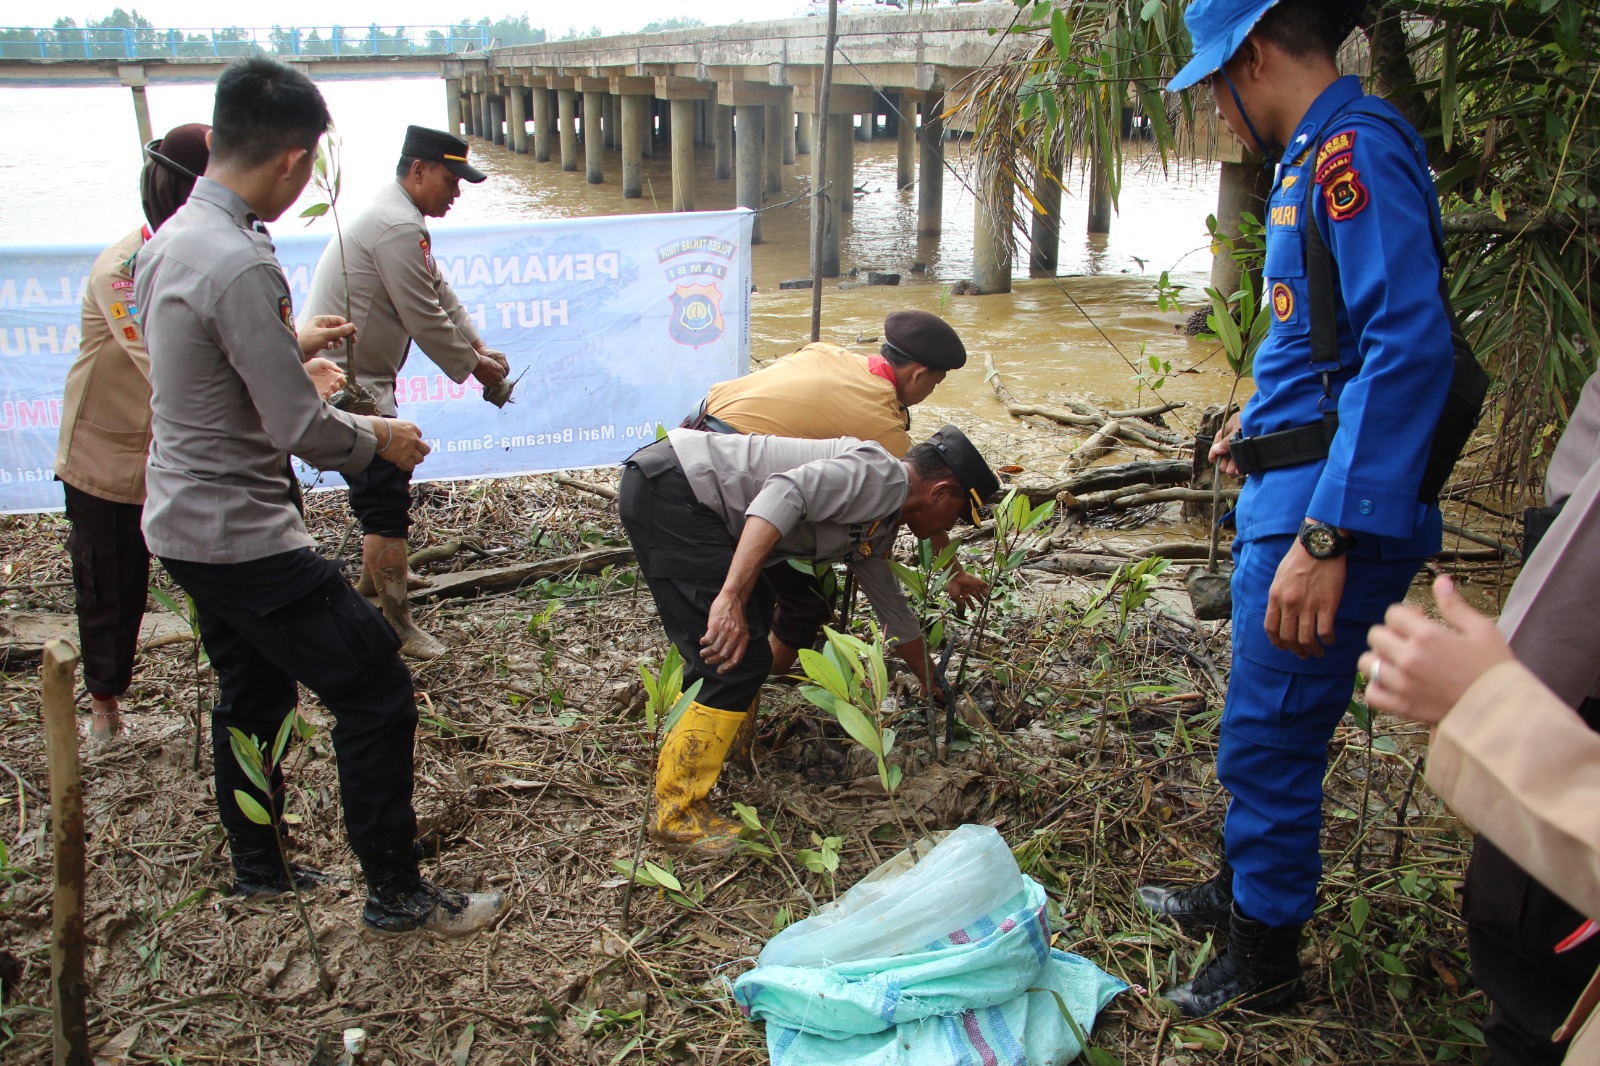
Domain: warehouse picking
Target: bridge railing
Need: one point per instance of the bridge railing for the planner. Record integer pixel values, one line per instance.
(145, 42)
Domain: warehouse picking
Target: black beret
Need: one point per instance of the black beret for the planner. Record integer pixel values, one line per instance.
(927, 339)
(437, 146)
(962, 456)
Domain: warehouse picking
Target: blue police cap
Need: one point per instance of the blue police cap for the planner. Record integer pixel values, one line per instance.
(1217, 28)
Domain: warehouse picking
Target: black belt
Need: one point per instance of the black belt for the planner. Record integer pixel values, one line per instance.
(1287, 447)
(704, 422)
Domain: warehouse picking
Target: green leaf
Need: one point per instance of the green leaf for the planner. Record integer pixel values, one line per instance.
(167, 602)
(292, 819)
(314, 211)
(748, 816)
(859, 726)
(248, 756)
(284, 732)
(911, 579)
(662, 877)
(823, 672)
(1360, 910)
(252, 809)
(891, 776)
(1060, 33)
(820, 697)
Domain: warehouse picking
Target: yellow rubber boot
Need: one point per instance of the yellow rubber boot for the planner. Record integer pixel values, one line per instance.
(687, 771)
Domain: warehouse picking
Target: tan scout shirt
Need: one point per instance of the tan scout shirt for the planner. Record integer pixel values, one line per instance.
(230, 397)
(821, 391)
(397, 296)
(831, 500)
(105, 410)
(1523, 768)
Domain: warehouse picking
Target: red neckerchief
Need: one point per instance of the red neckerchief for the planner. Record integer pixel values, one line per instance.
(877, 364)
(144, 231)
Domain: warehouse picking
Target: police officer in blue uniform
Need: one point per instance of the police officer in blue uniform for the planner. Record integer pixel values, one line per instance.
(1331, 526)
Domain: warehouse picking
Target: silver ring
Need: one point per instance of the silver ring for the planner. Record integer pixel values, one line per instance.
(1372, 678)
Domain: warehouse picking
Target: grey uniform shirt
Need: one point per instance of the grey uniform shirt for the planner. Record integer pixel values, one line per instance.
(831, 500)
(397, 295)
(1552, 615)
(229, 397)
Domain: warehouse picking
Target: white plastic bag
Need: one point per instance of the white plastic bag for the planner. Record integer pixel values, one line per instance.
(900, 907)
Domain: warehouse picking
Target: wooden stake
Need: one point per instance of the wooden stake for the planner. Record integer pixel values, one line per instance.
(66, 821)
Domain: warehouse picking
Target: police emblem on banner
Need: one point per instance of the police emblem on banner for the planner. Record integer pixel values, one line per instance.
(696, 314)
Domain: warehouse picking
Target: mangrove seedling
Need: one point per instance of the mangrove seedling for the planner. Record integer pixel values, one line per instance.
(327, 178)
(253, 758)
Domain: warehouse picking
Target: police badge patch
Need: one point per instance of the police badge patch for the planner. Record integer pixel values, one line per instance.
(1282, 301)
(286, 312)
(1345, 195)
(427, 254)
(696, 314)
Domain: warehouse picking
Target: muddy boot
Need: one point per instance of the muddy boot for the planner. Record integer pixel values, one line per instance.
(400, 900)
(1198, 908)
(258, 874)
(686, 772)
(384, 558)
(1260, 968)
(742, 754)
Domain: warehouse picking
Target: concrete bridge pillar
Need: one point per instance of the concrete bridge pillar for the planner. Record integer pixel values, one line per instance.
(648, 147)
(608, 119)
(930, 182)
(516, 96)
(772, 142)
(452, 104)
(635, 108)
(842, 164)
(1044, 253)
(541, 124)
(1244, 187)
(566, 120)
(683, 155)
(906, 133)
(1099, 194)
(486, 109)
(992, 244)
(722, 140)
(475, 108)
(133, 76)
(804, 127)
(750, 150)
(594, 92)
(786, 110)
(869, 120)
(497, 109)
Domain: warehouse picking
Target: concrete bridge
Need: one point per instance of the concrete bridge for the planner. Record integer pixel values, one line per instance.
(750, 92)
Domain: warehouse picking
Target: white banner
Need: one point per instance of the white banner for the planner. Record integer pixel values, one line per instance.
(620, 323)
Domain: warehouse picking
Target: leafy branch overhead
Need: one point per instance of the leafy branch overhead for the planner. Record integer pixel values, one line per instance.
(1506, 94)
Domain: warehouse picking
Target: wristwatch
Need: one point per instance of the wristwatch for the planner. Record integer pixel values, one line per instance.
(1322, 541)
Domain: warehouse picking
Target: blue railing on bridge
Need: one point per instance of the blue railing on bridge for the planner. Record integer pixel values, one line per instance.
(143, 42)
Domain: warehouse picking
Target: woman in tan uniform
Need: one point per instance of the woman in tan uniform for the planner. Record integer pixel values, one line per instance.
(105, 431)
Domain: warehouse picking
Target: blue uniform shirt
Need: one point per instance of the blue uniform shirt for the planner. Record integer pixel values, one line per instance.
(1356, 178)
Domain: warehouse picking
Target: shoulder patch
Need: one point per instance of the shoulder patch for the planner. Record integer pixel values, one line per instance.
(427, 254)
(1334, 155)
(1282, 301)
(122, 283)
(130, 333)
(118, 311)
(1345, 195)
(286, 312)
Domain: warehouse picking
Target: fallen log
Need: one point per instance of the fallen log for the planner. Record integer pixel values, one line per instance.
(603, 491)
(1157, 473)
(25, 633)
(505, 578)
(1076, 563)
(1187, 495)
(1099, 444)
(438, 553)
(1148, 412)
(1079, 414)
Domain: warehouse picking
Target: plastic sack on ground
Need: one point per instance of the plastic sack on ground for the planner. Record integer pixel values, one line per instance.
(990, 990)
(899, 907)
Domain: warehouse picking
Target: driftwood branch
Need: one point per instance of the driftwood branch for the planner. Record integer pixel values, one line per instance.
(1151, 473)
(1080, 414)
(604, 491)
(505, 578)
(438, 553)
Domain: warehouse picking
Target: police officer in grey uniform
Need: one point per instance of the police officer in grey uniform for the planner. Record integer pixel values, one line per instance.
(230, 403)
(706, 512)
(397, 295)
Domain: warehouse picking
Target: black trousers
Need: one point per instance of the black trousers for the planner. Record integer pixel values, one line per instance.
(1513, 926)
(111, 577)
(684, 552)
(380, 497)
(288, 618)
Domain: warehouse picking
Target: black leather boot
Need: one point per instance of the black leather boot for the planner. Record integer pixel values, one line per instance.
(400, 900)
(258, 872)
(1198, 908)
(1260, 967)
